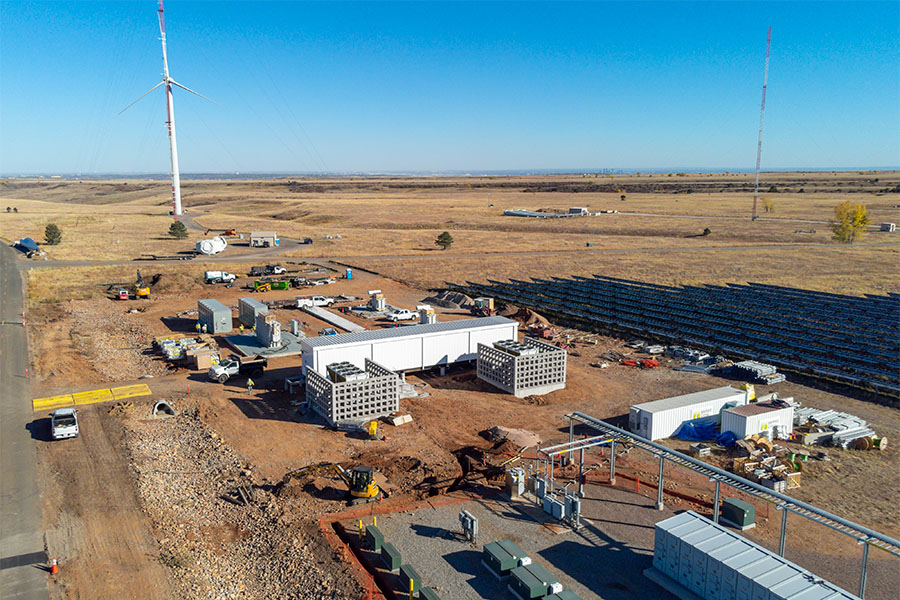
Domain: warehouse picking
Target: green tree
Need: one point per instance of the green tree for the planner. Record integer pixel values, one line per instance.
(178, 230)
(850, 222)
(707, 231)
(52, 234)
(445, 240)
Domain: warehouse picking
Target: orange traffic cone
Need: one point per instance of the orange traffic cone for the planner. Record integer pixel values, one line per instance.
(54, 569)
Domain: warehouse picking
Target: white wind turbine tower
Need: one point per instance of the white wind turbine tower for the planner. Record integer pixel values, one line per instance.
(170, 115)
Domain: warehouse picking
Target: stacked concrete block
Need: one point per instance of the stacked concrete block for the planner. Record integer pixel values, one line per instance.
(526, 368)
(268, 330)
(249, 308)
(375, 395)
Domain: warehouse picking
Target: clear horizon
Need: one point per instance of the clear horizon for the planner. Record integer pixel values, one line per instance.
(369, 88)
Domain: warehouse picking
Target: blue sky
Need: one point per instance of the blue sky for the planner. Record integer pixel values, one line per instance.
(449, 86)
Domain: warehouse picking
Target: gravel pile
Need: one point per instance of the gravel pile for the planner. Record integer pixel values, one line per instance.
(214, 548)
(112, 341)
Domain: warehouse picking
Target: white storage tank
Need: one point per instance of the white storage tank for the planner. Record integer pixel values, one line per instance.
(662, 418)
(771, 419)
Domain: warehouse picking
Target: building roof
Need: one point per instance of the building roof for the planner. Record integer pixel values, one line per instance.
(374, 335)
(721, 393)
(757, 408)
(262, 234)
(213, 305)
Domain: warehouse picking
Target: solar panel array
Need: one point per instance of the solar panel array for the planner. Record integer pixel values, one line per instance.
(852, 340)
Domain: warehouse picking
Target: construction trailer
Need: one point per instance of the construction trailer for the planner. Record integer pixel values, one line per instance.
(264, 239)
(527, 368)
(408, 348)
(661, 418)
(250, 308)
(774, 420)
(346, 393)
(692, 554)
(215, 315)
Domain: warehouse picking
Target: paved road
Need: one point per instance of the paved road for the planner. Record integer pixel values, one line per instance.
(21, 537)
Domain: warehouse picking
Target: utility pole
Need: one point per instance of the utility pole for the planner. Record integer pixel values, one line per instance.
(168, 82)
(762, 113)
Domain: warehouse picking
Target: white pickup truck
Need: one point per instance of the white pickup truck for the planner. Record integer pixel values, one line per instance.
(314, 301)
(63, 423)
(402, 314)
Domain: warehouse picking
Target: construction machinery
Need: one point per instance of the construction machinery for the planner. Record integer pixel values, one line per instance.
(482, 307)
(360, 480)
(141, 289)
(225, 232)
(372, 430)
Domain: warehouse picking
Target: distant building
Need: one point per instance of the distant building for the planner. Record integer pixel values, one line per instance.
(263, 239)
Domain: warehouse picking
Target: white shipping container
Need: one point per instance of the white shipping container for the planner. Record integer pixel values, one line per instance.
(736, 568)
(761, 417)
(662, 418)
(408, 348)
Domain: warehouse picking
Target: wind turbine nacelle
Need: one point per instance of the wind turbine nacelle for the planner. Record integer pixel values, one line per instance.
(212, 245)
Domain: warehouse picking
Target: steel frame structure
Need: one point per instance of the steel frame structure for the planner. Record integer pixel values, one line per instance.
(863, 535)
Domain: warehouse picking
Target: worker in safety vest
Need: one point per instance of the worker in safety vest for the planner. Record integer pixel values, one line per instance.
(204, 328)
(241, 327)
(249, 386)
(197, 326)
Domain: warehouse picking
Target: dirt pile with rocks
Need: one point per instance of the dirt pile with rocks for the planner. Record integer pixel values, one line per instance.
(213, 543)
(113, 340)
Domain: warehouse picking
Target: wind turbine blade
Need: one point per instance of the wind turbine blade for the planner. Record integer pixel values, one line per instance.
(142, 95)
(173, 82)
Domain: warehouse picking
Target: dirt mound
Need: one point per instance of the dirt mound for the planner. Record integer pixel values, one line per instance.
(449, 299)
(526, 316)
(520, 437)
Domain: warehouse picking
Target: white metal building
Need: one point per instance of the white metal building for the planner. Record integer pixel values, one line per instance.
(662, 418)
(408, 348)
(766, 418)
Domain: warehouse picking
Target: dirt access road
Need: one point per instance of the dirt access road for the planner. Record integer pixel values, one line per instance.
(21, 540)
(95, 527)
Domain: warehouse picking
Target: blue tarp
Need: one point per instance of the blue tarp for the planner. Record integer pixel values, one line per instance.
(697, 431)
(26, 245)
(726, 438)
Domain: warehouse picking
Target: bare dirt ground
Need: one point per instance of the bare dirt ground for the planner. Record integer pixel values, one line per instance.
(165, 479)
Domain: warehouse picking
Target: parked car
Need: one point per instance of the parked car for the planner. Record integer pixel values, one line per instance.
(402, 314)
(63, 423)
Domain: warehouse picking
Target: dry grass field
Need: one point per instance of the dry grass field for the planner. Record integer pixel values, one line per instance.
(390, 224)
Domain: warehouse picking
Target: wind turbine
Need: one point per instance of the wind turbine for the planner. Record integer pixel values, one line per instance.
(170, 114)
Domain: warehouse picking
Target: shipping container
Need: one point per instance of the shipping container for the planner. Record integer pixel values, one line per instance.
(249, 309)
(718, 564)
(765, 418)
(215, 315)
(408, 348)
(662, 418)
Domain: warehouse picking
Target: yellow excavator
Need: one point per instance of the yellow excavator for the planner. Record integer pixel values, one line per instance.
(141, 289)
(360, 480)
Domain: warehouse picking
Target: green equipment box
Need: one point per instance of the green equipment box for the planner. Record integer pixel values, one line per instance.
(428, 594)
(563, 595)
(407, 575)
(738, 513)
(502, 557)
(374, 538)
(390, 556)
(531, 581)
